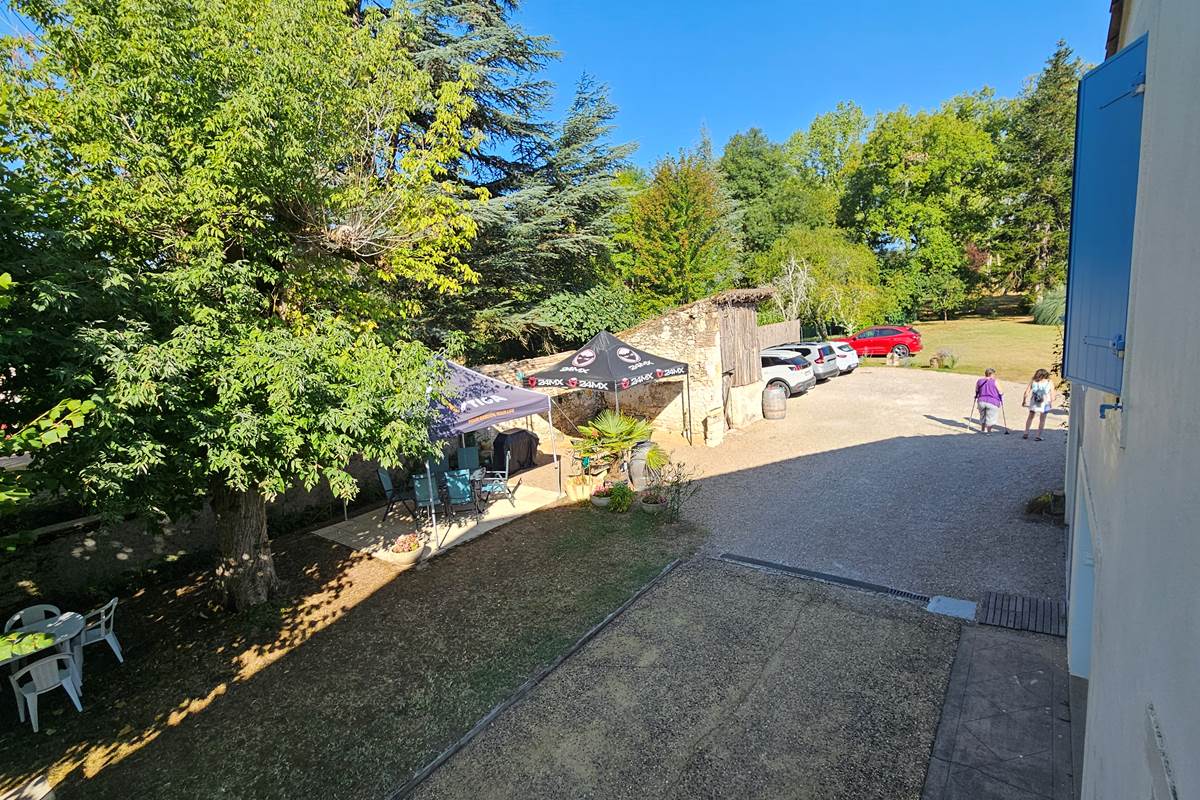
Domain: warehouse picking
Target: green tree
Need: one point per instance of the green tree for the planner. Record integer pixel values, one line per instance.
(509, 90)
(830, 147)
(550, 232)
(1036, 162)
(751, 166)
(680, 244)
(921, 195)
(825, 279)
(224, 215)
(771, 195)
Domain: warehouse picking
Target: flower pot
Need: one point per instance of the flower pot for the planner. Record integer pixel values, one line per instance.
(651, 508)
(601, 502)
(402, 561)
(580, 488)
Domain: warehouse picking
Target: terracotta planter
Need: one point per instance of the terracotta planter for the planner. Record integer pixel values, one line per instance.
(402, 561)
(601, 502)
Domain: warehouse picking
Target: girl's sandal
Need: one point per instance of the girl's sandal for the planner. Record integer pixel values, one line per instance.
(1025, 436)
(1038, 439)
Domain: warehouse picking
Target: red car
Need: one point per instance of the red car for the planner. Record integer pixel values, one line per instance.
(880, 340)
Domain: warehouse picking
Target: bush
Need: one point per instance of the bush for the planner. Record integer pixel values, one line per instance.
(947, 359)
(622, 497)
(677, 484)
(1052, 308)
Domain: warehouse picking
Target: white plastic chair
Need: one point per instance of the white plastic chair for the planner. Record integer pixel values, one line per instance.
(28, 616)
(98, 627)
(43, 675)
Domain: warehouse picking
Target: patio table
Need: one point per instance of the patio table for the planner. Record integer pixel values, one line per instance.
(64, 628)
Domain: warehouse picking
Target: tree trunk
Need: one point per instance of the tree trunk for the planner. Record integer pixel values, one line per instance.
(246, 571)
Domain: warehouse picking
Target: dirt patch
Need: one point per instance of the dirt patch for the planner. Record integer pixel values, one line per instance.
(725, 682)
(359, 679)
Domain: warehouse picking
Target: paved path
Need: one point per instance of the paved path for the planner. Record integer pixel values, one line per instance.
(726, 682)
(1005, 732)
(876, 476)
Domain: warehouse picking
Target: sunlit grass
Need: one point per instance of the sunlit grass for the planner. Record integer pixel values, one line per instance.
(1013, 346)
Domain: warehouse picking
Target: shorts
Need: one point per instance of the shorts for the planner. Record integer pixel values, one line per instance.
(988, 413)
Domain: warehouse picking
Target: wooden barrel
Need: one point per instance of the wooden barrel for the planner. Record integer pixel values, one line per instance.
(774, 402)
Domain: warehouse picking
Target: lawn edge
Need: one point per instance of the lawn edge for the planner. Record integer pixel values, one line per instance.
(528, 686)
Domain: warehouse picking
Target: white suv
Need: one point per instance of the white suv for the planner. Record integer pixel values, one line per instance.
(821, 355)
(787, 369)
(847, 357)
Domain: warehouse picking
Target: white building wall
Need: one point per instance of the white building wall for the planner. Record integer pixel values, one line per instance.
(1136, 475)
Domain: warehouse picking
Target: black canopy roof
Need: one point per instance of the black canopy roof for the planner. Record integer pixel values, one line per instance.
(608, 364)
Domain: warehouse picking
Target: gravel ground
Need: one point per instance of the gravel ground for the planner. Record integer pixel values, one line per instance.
(726, 682)
(875, 476)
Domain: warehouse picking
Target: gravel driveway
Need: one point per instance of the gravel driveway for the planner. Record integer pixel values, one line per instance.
(726, 682)
(875, 476)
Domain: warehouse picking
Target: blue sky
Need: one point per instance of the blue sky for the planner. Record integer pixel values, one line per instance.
(673, 66)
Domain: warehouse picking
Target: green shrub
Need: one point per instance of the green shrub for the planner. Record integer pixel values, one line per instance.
(947, 359)
(622, 497)
(1052, 308)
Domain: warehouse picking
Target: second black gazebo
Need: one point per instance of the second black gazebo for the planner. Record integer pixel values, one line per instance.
(607, 364)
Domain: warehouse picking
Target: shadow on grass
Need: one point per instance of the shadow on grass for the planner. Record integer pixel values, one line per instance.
(358, 679)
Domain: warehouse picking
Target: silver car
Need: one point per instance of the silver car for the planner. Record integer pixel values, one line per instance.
(821, 355)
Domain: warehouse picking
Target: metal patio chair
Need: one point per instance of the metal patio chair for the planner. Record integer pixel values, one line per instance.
(495, 483)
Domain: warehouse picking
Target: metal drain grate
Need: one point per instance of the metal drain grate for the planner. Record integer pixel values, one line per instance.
(1022, 613)
(823, 576)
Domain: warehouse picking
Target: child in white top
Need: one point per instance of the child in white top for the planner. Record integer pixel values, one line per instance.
(1039, 399)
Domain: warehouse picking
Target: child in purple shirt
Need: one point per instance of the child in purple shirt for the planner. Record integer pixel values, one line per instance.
(987, 395)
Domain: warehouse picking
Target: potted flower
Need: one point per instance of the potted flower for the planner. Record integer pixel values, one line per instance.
(405, 552)
(602, 497)
(653, 500)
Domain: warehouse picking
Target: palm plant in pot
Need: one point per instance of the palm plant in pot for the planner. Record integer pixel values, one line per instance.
(610, 438)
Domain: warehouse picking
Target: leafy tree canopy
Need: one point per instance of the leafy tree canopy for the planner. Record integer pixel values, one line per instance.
(224, 209)
(680, 243)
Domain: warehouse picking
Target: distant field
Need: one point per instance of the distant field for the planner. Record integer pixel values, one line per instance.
(1013, 346)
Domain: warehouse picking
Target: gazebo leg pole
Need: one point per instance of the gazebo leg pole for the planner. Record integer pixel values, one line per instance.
(554, 442)
(688, 382)
(617, 400)
(433, 493)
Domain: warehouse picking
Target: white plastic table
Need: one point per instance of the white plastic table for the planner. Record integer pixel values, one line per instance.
(63, 628)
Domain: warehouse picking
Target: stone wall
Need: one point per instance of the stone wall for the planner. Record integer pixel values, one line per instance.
(691, 334)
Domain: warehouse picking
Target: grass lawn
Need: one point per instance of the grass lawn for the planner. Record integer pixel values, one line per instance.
(1013, 346)
(350, 686)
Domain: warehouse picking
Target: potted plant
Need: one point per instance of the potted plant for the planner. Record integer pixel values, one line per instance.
(653, 500)
(621, 497)
(405, 552)
(602, 497)
(579, 487)
(609, 438)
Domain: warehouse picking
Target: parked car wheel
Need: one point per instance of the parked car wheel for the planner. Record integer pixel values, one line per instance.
(787, 390)
(900, 351)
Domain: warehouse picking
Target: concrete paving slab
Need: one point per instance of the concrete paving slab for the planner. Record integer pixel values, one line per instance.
(369, 533)
(726, 682)
(1005, 730)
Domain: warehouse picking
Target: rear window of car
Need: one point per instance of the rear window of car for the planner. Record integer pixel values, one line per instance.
(845, 348)
(799, 361)
(826, 350)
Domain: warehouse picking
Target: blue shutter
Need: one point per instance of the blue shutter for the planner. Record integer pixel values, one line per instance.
(1108, 138)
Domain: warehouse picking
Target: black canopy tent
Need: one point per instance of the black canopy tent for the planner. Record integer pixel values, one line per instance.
(607, 364)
